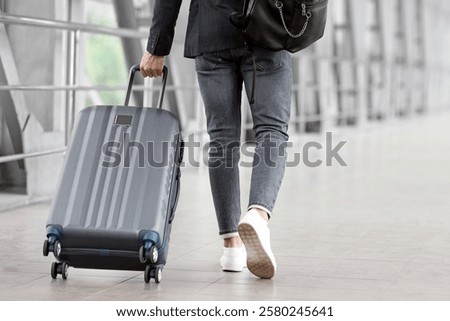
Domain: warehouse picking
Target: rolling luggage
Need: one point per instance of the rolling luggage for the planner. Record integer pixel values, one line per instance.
(118, 192)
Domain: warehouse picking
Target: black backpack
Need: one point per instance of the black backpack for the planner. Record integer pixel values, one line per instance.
(282, 24)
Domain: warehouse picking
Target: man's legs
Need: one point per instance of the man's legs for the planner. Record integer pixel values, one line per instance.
(271, 113)
(221, 86)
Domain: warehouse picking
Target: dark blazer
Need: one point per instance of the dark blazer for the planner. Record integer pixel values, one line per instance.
(209, 27)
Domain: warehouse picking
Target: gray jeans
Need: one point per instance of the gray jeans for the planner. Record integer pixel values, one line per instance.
(220, 76)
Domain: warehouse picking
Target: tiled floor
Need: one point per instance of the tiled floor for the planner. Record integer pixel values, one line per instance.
(378, 229)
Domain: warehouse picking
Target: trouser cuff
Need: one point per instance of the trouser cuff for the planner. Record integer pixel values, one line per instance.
(260, 207)
(229, 235)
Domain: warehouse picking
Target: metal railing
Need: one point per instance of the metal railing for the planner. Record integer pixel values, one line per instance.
(73, 29)
(71, 26)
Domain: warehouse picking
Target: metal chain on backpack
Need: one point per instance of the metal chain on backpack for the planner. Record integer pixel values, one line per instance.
(308, 15)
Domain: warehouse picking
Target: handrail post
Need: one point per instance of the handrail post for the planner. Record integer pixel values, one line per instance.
(72, 81)
(71, 74)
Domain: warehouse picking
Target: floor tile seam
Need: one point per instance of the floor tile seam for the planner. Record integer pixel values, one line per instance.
(113, 286)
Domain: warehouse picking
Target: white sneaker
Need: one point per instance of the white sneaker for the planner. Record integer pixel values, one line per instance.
(254, 232)
(233, 259)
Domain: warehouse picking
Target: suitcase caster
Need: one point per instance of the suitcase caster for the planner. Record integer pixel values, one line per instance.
(151, 254)
(54, 247)
(155, 273)
(59, 268)
(158, 275)
(46, 248)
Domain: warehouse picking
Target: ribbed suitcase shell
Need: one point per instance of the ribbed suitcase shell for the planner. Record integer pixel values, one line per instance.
(103, 206)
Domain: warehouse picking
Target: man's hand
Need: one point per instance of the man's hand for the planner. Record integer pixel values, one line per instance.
(151, 66)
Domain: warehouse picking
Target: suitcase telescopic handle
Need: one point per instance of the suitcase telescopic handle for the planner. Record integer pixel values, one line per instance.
(133, 71)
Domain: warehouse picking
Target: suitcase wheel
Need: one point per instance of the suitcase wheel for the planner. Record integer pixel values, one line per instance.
(65, 270)
(59, 268)
(158, 275)
(147, 274)
(151, 254)
(54, 270)
(46, 248)
(55, 248)
(151, 272)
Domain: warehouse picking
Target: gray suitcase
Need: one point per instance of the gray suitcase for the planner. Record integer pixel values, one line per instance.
(118, 191)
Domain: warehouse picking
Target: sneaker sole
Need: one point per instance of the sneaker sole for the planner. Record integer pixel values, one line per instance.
(258, 261)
